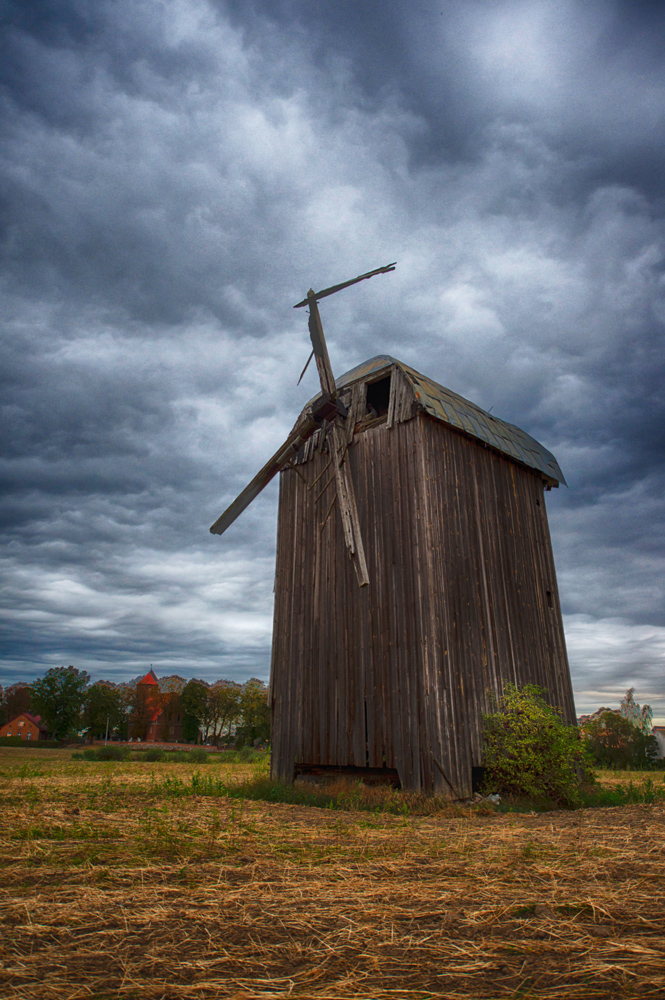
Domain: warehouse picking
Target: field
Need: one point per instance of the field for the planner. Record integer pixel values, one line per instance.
(120, 880)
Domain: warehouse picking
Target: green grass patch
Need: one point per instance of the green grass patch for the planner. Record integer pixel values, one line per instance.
(16, 741)
(645, 793)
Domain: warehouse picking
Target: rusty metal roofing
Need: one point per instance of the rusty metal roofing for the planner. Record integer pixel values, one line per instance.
(458, 412)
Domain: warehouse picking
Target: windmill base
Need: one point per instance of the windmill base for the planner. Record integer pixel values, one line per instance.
(320, 773)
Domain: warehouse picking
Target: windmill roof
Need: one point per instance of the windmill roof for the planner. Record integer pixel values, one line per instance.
(456, 411)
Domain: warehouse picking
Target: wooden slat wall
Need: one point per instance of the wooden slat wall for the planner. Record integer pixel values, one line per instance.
(459, 556)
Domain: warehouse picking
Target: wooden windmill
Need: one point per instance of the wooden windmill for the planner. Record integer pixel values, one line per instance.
(457, 591)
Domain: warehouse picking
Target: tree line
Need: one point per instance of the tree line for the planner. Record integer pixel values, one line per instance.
(172, 709)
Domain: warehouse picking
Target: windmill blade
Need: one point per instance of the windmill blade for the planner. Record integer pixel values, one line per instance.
(345, 492)
(348, 509)
(345, 284)
(320, 347)
(300, 433)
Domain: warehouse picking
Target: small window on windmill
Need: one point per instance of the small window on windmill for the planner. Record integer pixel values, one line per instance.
(378, 398)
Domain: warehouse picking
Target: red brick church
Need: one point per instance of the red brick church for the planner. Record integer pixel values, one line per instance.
(157, 716)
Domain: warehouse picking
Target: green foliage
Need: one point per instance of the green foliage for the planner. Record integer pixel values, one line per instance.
(16, 741)
(15, 700)
(530, 752)
(58, 697)
(198, 756)
(104, 701)
(615, 741)
(255, 714)
(154, 754)
(646, 793)
(190, 728)
(110, 753)
(193, 700)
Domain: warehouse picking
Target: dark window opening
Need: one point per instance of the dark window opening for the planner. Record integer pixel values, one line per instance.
(549, 599)
(378, 397)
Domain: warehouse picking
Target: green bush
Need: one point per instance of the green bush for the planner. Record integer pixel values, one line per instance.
(198, 756)
(155, 754)
(110, 753)
(530, 753)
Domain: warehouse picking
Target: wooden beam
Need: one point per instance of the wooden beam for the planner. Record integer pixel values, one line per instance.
(345, 284)
(320, 347)
(282, 457)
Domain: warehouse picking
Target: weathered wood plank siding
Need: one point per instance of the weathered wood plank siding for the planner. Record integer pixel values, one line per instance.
(460, 563)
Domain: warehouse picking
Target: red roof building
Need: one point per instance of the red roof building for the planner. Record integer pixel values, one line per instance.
(26, 727)
(150, 723)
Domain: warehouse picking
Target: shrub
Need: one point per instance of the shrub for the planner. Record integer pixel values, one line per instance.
(198, 756)
(111, 753)
(531, 753)
(88, 754)
(154, 754)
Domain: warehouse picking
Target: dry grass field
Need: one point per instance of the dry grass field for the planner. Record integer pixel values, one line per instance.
(116, 885)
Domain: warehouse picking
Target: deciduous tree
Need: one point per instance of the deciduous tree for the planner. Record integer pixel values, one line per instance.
(58, 697)
(103, 701)
(615, 741)
(224, 707)
(255, 713)
(194, 699)
(17, 700)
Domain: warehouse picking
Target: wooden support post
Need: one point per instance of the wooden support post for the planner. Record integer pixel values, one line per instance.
(345, 493)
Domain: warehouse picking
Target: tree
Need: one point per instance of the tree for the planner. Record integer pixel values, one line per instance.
(615, 741)
(103, 701)
(530, 752)
(127, 695)
(193, 698)
(17, 700)
(254, 712)
(224, 707)
(58, 697)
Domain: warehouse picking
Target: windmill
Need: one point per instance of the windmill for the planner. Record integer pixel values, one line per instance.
(329, 409)
(389, 680)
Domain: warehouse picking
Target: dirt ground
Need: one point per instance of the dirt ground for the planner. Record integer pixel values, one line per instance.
(114, 884)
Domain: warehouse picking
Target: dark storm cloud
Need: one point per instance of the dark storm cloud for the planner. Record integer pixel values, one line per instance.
(175, 176)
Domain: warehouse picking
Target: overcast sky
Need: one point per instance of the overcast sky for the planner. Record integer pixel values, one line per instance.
(175, 174)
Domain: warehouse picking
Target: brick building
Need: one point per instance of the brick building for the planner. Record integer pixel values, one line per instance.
(26, 727)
